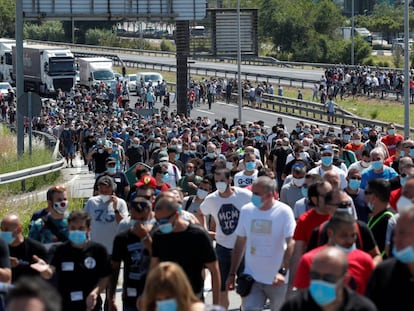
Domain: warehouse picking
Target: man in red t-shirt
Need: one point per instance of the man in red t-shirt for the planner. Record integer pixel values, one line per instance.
(308, 221)
(391, 139)
(342, 233)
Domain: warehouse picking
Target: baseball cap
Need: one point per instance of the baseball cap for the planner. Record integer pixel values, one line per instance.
(147, 180)
(327, 149)
(106, 180)
(163, 157)
(299, 167)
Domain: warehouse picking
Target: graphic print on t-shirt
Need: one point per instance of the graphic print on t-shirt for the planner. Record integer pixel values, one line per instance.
(228, 216)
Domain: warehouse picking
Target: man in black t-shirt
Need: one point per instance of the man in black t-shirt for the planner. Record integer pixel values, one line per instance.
(133, 247)
(80, 265)
(176, 240)
(21, 249)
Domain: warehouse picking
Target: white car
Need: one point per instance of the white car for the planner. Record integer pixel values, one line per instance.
(4, 89)
(132, 82)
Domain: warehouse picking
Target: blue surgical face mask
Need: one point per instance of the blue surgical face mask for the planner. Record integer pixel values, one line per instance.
(258, 138)
(370, 206)
(240, 138)
(322, 292)
(354, 184)
(166, 228)
(202, 193)
(304, 191)
(77, 237)
(227, 139)
(327, 160)
(376, 165)
(345, 249)
(177, 156)
(167, 305)
(250, 166)
(347, 137)
(316, 135)
(100, 150)
(221, 186)
(189, 174)
(165, 177)
(211, 155)
(406, 255)
(391, 132)
(7, 236)
(402, 153)
(135, 145)
(257, 201)
(233, 138)
(111, 170)
(412, 153)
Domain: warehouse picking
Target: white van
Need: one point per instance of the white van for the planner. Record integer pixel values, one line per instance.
(146, 77)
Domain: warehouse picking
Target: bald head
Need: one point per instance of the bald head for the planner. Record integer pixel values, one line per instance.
(10, 221)
(330, 260)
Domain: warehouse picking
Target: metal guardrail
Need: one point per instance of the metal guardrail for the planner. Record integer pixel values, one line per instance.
(246, 59)
(51, 142)
(313, 111)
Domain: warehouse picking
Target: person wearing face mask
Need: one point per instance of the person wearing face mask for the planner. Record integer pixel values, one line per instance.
(98, 155)
(135, 153)
(327, 154)
(224, 206)
(192, 203)
(120, 179)
(106, 211)
(267, 250)
(210, 158)
(397, 183)
(51, 226)
(160, 173)
(374, 142)
(394, 277)
(133, 248)
(190, 182)
(247, 176)
(362, 164)
(342, 233)
(177, 240)
(81, 266)
(168, 289)
(377, 169)
(339, 201)
(390, 140)
(355, 145)
(357, 194)
(327, 289)
(292, 190)
(22, 250)
(377, 196)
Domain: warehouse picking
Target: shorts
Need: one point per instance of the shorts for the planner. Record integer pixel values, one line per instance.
(68, 149)
(224, 261)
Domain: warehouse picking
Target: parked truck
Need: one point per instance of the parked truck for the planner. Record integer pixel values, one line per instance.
(47, 69)
(6, 60)
(96, 70)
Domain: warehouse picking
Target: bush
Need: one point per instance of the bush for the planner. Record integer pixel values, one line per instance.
(167, 46)
(369, 61)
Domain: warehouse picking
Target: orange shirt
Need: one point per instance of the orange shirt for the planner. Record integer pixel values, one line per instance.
(357, 149)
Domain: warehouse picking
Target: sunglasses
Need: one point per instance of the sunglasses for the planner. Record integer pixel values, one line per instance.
(162, 221)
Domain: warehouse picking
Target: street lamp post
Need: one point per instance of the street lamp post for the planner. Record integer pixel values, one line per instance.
(352, 32)
(239, 85)
(406, 71)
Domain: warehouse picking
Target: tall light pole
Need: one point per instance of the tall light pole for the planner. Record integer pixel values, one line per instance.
(406, 71)
(352, 32)
(239, 84)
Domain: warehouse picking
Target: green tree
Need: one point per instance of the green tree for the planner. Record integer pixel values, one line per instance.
(47, 31)
(7, 20)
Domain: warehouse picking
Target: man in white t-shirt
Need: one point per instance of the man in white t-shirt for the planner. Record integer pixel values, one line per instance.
(264, 237)
(224, 206)
(106, 211)
(247, 176)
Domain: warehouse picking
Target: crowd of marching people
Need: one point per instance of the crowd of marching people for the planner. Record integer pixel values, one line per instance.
(302, 218)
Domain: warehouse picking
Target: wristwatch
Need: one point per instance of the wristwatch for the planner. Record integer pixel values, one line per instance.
(282, 271)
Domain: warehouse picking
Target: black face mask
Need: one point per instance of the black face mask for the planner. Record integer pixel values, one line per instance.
(373, 138)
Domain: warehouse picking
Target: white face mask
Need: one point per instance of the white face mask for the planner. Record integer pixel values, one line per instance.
(404, 203)
(365, 164)
(229, 165)
(105, 197)
(221, 186)
(346, 250)
(298, 181)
